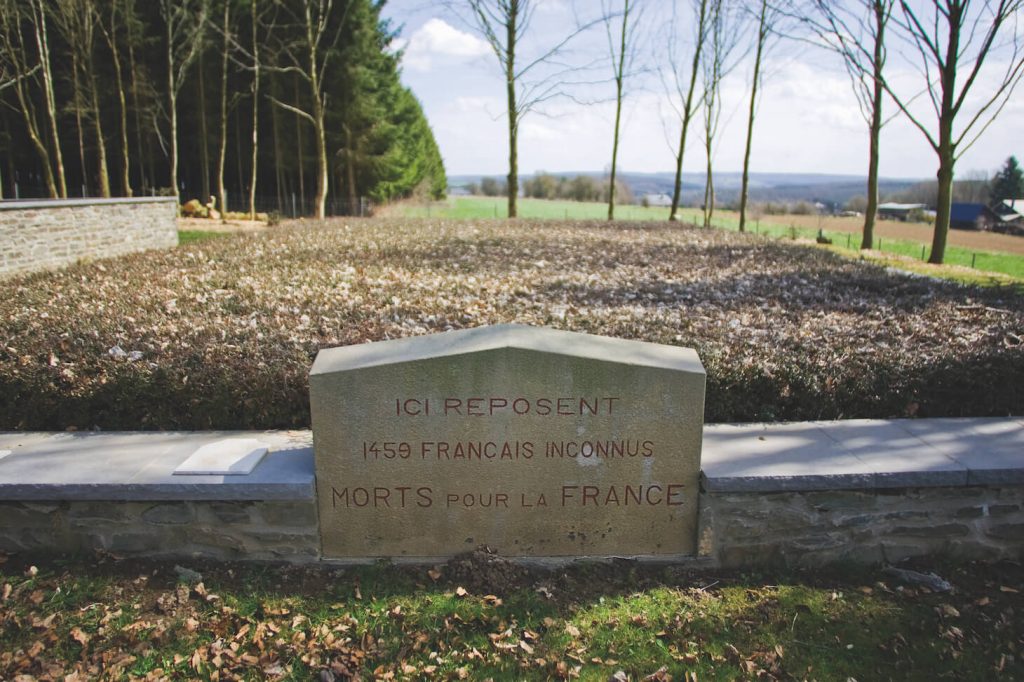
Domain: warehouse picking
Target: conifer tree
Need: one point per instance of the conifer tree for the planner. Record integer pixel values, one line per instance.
(1008, 182)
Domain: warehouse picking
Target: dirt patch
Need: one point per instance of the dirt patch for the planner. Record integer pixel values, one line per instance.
(483, 571)
(891, 229)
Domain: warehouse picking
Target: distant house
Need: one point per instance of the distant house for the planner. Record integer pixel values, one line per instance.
(1011, 213)
(892, 211)
(966, 216)
(1010, 209)
(661, 199)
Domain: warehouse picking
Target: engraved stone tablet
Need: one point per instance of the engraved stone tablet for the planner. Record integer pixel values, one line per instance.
(531, 441)
(227, 457)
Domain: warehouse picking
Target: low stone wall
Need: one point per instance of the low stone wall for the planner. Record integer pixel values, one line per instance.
(36, 235)
(242, 530)
(798, 529)
(806, 529)
(791, 495)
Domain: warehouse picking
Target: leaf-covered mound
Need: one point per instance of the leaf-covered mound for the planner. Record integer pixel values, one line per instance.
(221, 333)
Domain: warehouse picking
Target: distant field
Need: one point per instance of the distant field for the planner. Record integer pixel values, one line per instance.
(982, 251)
(497, 207)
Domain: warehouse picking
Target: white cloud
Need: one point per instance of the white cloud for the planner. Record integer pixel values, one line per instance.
(537, 132)
(439, 39)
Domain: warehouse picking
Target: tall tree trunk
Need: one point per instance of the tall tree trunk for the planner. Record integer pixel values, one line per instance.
(204, 137)
(350, 171)
(745, 185)
(28, 113)
(946, 149)
(300, 144)
(239, 173)
(619, 75)
(943, 208)
(874, 135)
(677, 186)
(222, 192)
(10, 157)
(126, 177)
(43, 45)
(709, 189)
(278, 173)
(513, 114)
(76, 98)
(875, 128)
(320, 138)
(255, 115)
(172, 96)
(137, 110)
(101, 143)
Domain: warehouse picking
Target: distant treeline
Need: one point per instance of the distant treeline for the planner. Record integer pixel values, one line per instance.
(269, 98)
(546, 186)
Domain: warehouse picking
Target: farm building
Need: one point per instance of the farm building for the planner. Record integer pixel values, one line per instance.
(1010, 209)
(1011, 213)
(892, 211)
(660, 199)
(967, 216)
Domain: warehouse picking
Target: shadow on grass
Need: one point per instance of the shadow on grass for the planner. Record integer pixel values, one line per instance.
(586, 620)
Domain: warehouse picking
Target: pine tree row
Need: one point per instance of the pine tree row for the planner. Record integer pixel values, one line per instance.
(263, 104)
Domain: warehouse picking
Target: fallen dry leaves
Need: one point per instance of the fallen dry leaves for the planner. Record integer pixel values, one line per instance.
(144, 626)
(222, 333)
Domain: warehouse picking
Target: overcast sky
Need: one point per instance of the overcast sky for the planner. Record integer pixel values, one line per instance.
(808, 120)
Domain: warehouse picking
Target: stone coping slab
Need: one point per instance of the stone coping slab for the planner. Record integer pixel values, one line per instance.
(866, 454)
(140, 466)
(26, 204)
(748, 458)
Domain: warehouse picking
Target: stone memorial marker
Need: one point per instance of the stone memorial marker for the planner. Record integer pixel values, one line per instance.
(532, 441)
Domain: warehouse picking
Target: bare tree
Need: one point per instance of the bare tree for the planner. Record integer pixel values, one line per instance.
(184, 22)
(309, 57)
(255, 109)
(623, 58)
(718, 61)
(684, 87)
(950, 40)
(503, 24)
(118, 18)
(37, 13)
(856, 32)
(222, 153)
(77, 20)
(19, 66)
(768, 17)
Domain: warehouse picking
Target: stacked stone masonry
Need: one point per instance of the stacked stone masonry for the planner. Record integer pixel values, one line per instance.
(43, 234)
(265, 530)
(806, 529)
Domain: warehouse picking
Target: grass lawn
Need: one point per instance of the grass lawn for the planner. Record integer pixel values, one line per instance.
(479, 617)
(191, 236)
(774, 227)
(497, 207)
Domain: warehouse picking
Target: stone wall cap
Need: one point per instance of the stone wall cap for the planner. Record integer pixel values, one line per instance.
(140, 466)
(511, 336)
(28, 204)
(862, 454)
(740, 458)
